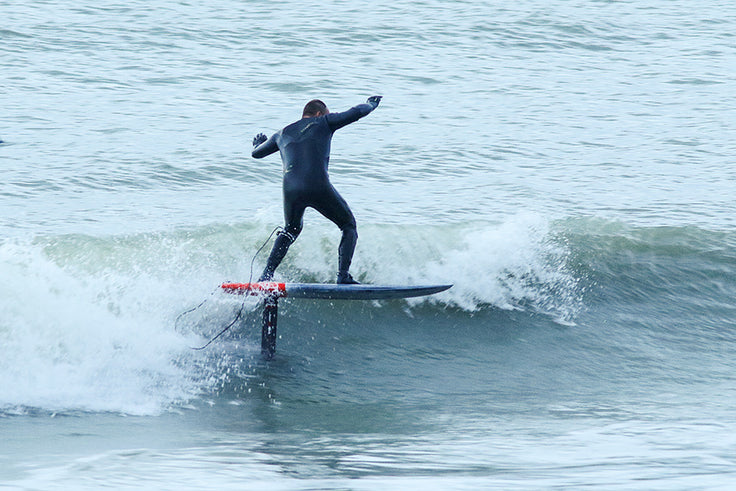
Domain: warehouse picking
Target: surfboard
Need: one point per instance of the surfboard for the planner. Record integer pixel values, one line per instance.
(332, 291)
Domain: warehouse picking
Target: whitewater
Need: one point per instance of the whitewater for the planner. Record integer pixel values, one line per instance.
(568, 166)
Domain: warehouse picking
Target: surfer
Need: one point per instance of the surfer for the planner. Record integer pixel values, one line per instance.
(305, 151)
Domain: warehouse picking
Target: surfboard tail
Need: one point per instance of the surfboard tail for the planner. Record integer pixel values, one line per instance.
(262, 288)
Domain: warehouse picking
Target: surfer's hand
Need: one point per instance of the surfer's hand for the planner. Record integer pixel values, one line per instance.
(374, 100)
(260, 138)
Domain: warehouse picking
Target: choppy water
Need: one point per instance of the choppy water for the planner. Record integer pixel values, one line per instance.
(567, 165)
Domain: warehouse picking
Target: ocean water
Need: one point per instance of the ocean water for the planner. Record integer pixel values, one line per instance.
(567, 165)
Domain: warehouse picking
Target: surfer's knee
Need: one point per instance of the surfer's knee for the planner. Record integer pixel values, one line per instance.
(291, 231)
(350, 229)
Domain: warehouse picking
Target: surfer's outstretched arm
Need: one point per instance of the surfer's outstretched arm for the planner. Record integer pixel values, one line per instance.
(338, 120)
(262, 146)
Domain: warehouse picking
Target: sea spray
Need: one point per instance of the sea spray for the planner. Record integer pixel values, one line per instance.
(519, 263)
(73, 341)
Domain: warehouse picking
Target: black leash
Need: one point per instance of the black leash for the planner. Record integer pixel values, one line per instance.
(239, 315)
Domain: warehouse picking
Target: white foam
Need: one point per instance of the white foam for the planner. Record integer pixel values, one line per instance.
(504, 265)
(95, 341)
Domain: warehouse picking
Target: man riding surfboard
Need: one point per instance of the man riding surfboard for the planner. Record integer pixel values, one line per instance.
(305, 152)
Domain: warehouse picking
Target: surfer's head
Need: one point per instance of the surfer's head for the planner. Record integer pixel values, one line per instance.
(315, 108)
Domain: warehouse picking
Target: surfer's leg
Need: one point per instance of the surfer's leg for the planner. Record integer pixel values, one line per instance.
(293, 215)
(345, 254)
(335, 208)
(280, 248)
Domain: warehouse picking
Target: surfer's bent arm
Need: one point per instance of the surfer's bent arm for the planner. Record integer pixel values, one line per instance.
(263, 146)
(338, 120)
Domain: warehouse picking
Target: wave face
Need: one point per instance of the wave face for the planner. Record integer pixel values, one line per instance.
(90, 323)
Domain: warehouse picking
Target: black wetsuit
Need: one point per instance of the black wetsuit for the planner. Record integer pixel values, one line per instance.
(305, 152)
